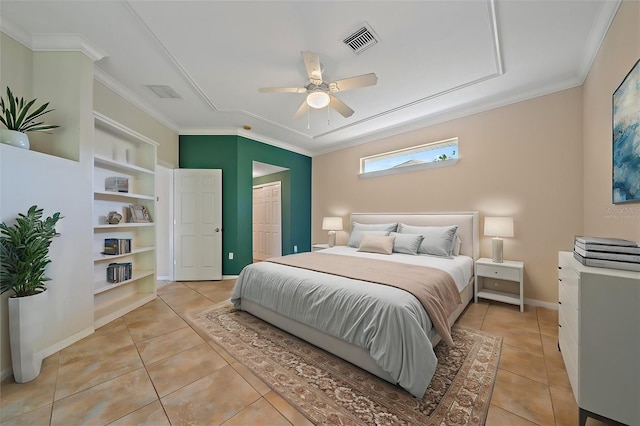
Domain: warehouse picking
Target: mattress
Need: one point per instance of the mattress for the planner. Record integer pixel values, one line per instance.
(388, 323)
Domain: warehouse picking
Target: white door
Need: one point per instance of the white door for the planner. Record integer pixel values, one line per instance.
(198, 224)
(164, 223)
(267, 223)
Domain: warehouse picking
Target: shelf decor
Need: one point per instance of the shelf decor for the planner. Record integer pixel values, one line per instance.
(626, 139)
(19, 119)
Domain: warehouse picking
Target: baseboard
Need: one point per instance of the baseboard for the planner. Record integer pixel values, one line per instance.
(229, 277)
(548, 305)
(8, 372)
(163, 278)
(66, 342)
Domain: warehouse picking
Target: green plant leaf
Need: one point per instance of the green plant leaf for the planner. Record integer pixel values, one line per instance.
(16, 114)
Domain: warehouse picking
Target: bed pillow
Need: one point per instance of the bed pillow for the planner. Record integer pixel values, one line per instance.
(356, 237)
(456, 246)
(377, 244)
(389, 227)
(438, 240)
(406, 243)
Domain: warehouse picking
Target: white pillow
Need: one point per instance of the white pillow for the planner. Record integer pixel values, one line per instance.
(456, 246)
(406, 243)
(377, 244)
(438, 240)
(356, 237)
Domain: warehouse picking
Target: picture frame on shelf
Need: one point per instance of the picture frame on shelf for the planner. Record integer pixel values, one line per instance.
(139, 214)
(626, 118)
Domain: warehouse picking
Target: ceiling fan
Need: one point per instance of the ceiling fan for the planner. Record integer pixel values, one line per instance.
(320, 92)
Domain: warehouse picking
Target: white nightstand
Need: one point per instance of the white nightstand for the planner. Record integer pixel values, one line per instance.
(316, 247)
(508, 270)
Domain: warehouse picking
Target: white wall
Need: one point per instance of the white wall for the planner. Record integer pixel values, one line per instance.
(56, 185)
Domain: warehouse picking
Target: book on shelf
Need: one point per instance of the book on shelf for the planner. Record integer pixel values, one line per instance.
(118, 272)
(114, 246)
(603, 263)
(608, 248)
(592, 254)
(606, 241)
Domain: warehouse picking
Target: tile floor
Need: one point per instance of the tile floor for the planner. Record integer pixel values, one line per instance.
(150, 367)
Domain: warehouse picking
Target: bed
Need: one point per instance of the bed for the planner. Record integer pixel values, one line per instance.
(380, 328)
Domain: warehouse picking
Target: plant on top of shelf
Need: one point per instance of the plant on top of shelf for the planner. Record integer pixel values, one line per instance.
(24, 252)
(16, 116)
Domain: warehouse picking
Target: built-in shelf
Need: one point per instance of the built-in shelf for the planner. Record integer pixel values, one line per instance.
(124, 225)
(123, 153)
(103, 194)
(120, 166)
(103, 286)
(106, 257)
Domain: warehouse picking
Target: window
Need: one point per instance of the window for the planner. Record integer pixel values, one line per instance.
(431, 155)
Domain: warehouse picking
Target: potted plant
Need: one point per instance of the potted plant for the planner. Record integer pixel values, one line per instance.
(24, 255)
(18, 119)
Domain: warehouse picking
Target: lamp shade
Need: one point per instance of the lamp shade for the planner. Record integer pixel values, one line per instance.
(498, 226)
(331, 223)
(318, 100)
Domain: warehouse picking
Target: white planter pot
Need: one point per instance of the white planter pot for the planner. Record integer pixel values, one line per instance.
(12, 137)
(26, 328)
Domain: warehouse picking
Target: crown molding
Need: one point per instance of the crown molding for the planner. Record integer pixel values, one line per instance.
(42, 42)
(232, 131)
(107, 80)
(15, 32)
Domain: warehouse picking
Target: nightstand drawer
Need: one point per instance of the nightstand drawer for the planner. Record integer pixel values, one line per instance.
(499, 272)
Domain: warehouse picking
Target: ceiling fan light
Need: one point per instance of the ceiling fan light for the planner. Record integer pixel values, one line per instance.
(318, 99)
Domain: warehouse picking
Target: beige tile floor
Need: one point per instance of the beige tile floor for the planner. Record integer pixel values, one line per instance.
(150, 367)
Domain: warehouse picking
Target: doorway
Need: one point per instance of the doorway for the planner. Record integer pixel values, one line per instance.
(267, 211)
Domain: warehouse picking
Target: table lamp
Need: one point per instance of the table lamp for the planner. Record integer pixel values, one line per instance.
(332, 224)
(498, 227)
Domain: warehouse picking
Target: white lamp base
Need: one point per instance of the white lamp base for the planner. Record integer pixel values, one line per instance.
(332, 238)
(496, 254)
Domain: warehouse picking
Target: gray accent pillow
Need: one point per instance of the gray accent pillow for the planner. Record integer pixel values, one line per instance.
(389, 227)
(438, 240)
(407, 243)
(356, 237)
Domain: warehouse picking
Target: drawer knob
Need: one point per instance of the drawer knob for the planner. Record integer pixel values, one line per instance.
(559, 303)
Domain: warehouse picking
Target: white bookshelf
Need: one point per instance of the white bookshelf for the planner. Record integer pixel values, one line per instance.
(122, 152)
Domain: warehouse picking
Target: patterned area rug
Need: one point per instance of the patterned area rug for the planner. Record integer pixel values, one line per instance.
(329, 390)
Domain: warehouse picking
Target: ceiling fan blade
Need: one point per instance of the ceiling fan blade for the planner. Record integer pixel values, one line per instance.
(312, 64)
(303, 108)
(354, 82)
(340, 106)
(282, 90)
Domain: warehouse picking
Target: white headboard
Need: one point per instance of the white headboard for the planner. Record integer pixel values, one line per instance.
(468, 228)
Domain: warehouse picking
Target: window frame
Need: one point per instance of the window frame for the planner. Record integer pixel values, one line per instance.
(414, 167)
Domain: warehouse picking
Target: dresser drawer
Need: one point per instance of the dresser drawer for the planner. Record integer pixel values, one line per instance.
(568, 315)
(501, 273)
(569, 352)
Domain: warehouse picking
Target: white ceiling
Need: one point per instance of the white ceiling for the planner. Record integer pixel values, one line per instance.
(435, 60)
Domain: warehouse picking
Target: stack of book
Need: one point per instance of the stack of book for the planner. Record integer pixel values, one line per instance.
(612, 253)
(117, 246)
(118, 272)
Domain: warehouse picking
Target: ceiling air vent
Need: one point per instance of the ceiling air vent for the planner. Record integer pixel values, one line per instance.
(163, 91)
(361, 39)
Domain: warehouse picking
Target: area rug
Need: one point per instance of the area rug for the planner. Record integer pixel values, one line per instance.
(331, 391)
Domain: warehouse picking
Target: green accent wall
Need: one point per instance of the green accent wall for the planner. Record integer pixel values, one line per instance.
(235, 155)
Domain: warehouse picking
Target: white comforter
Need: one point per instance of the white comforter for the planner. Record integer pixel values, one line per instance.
(389, 323)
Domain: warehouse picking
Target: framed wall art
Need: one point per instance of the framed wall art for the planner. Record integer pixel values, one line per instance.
(626, 139)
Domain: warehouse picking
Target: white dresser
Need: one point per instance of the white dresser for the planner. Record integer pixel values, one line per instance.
(599, 336)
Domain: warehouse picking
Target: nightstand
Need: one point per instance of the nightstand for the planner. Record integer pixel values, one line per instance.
(508, 270)
(316, 247)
